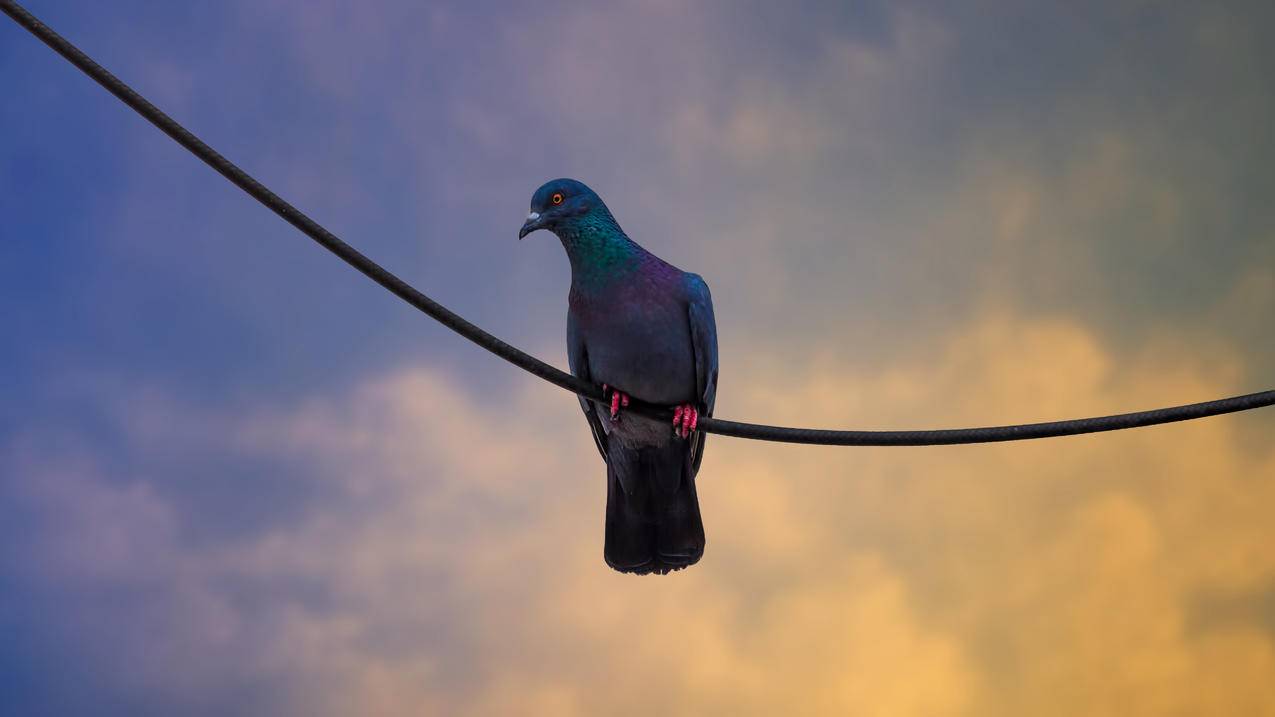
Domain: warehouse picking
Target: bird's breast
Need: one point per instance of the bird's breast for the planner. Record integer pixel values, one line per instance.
(639, 343)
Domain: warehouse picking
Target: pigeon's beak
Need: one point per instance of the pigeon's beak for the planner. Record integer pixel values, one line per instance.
(529, 226)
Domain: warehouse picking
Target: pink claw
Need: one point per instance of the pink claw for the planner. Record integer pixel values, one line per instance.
(688, 417)
(618, 399)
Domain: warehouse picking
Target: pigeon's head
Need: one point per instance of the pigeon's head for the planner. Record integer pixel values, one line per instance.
(560, 204)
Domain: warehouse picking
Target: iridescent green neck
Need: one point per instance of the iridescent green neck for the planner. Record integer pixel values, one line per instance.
(598, 249)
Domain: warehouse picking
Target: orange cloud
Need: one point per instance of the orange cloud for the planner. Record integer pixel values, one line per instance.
(460, 569)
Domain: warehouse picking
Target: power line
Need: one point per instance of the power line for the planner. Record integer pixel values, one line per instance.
(531, 364)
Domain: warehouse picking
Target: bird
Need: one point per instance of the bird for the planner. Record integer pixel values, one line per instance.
(641, 328)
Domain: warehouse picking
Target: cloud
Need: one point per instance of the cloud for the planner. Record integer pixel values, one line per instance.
(453, 564)
(902, 228)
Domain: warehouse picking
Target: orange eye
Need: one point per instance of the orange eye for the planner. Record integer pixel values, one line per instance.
(556, 198)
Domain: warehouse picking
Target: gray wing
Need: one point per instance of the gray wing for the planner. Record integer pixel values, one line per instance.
(704, 341)
(578, 359)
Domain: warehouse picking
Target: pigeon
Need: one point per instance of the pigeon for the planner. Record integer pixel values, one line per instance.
(641, 328)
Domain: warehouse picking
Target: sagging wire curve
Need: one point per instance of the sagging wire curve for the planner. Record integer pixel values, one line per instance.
(539, 368)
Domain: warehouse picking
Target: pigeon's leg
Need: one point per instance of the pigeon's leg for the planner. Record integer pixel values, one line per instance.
(618, 399)
(688, 417)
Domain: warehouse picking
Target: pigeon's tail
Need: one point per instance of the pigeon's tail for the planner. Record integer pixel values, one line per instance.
(652, 523)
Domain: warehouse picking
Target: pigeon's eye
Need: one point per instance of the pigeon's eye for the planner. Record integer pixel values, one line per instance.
(556, 198)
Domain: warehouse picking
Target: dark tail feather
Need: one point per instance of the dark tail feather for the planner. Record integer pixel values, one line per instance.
(653, 523)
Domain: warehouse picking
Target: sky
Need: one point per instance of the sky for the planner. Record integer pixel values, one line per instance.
(236, 477)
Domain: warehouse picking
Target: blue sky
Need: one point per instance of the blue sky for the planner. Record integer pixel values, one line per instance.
(236, 476)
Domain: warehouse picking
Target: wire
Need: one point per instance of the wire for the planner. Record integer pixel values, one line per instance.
(535, 366)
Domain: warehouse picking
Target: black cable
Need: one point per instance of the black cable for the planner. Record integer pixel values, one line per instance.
(529, 363)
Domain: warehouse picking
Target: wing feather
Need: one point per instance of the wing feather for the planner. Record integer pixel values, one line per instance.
(704, 342)
(578, 359)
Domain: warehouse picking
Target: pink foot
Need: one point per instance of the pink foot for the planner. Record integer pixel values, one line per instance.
(688, 417)
(618, 400)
